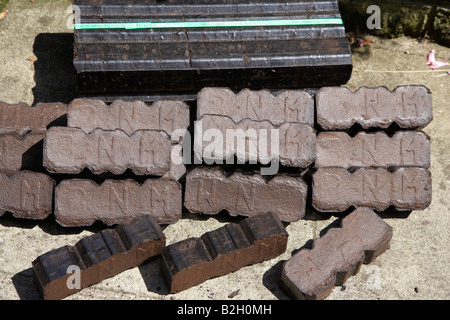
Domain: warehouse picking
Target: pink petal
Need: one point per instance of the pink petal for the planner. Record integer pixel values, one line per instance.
(431, 58)
(438, 64)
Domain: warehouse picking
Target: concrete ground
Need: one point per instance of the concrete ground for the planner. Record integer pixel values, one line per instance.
(35, 53)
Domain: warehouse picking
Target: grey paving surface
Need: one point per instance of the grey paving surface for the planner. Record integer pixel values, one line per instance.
(415, 266)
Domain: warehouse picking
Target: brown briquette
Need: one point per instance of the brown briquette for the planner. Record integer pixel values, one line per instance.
(189, 262)
(338, 108)
(70, 150)
(26, 194)
(336, 256)
(20, 118)
(295, 106)
(336, 189)
(66, 270)
(219, 138)
(209, 190)
(377, 149)
(81, 202)
(17, 152)
(130, 116)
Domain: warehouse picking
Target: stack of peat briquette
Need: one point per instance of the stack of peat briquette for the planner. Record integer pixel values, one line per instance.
(152, 48)
(25, 189)
(113, 139)
(369, 156)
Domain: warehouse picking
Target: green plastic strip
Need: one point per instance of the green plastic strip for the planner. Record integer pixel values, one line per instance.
(207, 24)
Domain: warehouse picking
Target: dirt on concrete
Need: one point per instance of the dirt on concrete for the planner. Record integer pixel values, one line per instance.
(35, 65)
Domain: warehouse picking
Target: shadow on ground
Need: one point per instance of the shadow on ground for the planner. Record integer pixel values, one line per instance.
(25, 286)
(55, 75)
(271, 280)
(151, 274)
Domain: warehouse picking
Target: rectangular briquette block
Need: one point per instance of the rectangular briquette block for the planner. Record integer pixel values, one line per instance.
(81, 202)
(338, 108)
(403, 149)
(287, 106)
(189, 262)
(130, 116)
(97, 257)
(26, 194)
(336, 189)
(210, 190)
(219, 138)
(335, 256)
(20, 118)
(70, 150)
(21, 152)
